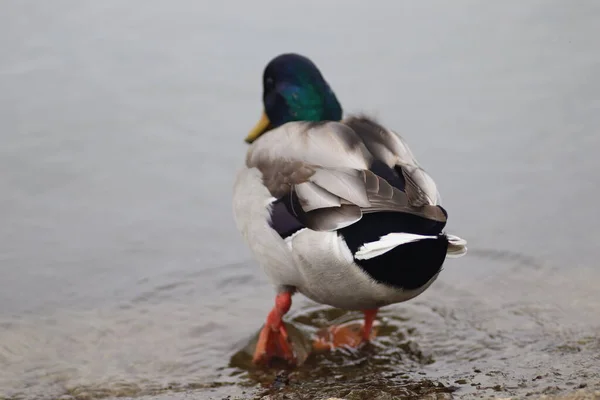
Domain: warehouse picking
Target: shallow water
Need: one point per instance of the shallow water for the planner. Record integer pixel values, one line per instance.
(121, 270)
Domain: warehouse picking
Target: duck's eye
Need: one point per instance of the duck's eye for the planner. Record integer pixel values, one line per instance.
(269, 83)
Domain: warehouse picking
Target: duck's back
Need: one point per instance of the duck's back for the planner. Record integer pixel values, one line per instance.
(329, 174)
(391, 150)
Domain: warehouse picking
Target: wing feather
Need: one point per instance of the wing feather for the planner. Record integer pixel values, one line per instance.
(390, 148)
(347, 184)
(322, 169)
(311, 197)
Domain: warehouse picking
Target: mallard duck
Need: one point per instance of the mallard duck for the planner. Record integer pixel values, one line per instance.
(336, 209)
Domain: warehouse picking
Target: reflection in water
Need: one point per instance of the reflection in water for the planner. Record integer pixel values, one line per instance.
(391, 362)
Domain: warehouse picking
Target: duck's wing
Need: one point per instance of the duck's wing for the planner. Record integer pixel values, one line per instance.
(391, 149)
(321, 173)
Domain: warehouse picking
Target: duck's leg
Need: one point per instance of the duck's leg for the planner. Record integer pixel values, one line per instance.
(368, 325)
(273, 340)
(347, 335)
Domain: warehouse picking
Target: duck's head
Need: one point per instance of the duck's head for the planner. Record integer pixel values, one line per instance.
(294, 90)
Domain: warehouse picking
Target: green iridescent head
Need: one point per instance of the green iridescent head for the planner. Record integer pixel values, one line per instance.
(294, 90)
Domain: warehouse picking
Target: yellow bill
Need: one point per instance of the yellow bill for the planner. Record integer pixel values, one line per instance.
(260, 128)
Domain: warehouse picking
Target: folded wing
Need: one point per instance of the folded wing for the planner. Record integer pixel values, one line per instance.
(323, 172)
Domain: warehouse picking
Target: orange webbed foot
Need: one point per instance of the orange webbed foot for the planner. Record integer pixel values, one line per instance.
(273, 340)
(350, 335)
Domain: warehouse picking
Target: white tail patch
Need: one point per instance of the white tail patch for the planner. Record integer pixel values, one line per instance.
(457, 247)
(387, 243)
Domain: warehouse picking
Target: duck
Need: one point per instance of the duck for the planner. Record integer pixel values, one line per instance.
(336, 209)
